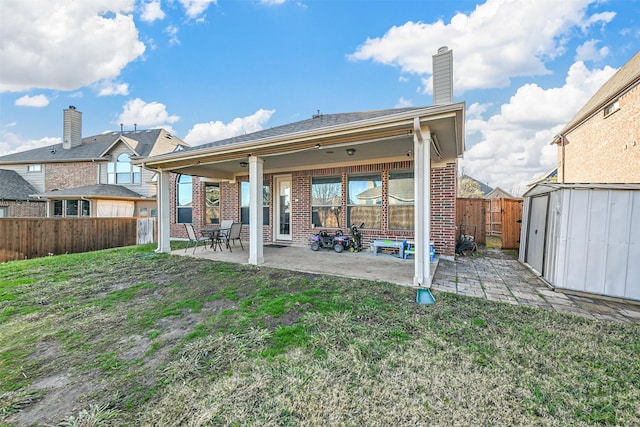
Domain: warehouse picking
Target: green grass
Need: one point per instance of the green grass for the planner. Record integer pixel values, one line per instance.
(138, 338)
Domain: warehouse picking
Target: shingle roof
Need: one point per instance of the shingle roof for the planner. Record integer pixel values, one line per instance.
(627, 75)
(93, 147)
(15, 187)
(96, 191)
(318, 121)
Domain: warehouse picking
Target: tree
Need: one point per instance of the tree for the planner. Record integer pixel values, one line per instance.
(468, 188)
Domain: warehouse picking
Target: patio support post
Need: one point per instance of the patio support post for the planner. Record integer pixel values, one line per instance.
(164, 240)
(256, 253)
(422, 207)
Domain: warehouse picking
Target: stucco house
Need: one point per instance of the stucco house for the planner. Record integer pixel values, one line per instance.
(393, 170)
(601, 144)
(88, 177)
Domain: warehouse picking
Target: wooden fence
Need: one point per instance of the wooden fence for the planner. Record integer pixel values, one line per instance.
(24, 238)
(494, 217)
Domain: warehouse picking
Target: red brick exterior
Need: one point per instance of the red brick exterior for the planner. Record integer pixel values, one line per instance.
(25, 209)
(443, 204)
(70, 175)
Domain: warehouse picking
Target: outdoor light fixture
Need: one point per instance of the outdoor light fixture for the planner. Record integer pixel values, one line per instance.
(351, 151)
(244, 164)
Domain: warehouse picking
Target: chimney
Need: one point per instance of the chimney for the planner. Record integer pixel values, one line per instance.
(443, 76)
(72, 128)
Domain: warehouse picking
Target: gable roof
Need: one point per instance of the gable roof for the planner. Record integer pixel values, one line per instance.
(498, 193)
(483, 187)
(96, 191)
(143, 142)
(15, 187)
(627, 76)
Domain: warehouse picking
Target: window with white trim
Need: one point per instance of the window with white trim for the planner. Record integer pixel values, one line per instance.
(401, 201)
(244, 203)
(34, 168)
(364, 201)
(184, 202)
(611, 108)
(122, 171)
(326, 201)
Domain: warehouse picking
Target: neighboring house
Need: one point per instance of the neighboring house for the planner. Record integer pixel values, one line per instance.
(549, 177)
(581, 234)
(467, 186)
(393, 170)
(92, 176)
(601, 144)
(14, 197)
(498, 193)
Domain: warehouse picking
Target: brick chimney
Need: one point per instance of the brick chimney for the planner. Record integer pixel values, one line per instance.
(72, 128)
(443, 76)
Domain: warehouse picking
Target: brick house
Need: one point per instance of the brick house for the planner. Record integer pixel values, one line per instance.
(85, 177)
(14, 197)
(393, 170)
(601, 144)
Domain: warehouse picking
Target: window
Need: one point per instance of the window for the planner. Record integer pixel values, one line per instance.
(71, 208)
(364, 201)
(122, 171)
(57, 208)
(34, 168)
(611, 108)
(85, 208)
(244, 203)
(401, 201)
(184, 202)
(326, 202)
(212, 203)
(4, 211)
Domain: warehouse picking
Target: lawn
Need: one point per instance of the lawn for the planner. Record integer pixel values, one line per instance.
(130, 337)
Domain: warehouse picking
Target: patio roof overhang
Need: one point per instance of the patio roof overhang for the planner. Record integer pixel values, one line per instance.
(385, 138)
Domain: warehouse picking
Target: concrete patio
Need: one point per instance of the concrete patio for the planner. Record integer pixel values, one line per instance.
(492, 274)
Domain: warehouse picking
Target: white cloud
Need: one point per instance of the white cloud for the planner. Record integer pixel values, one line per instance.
(110, 88)
(273, 2)
(202, 133)
(11, 143)
(195, 8)
(37, 101)
(52, 35)
(589, 51)
(514, 146)
(402, 103)
(152, 11)
(500, 39)
(172, 32)
(146, 115)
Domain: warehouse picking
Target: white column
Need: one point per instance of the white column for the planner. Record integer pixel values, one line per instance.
(422, 212)
(164, 214)
(256, 253)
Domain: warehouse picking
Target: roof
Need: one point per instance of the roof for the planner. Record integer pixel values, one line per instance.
(399, 189)
(625, 77)
(96, 191)
(547, 176)
(317, 121)
(143, 142)
(498, 193)
(483, 187)
(15, 187)
(549, 187)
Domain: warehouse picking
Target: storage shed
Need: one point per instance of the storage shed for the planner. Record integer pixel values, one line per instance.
(584, 237)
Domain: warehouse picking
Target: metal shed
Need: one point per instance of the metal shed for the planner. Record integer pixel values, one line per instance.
(584, 237)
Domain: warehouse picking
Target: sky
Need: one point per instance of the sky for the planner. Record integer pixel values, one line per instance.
(211, 69)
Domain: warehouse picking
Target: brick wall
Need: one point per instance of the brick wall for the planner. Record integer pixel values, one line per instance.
(69, 175)
(605, 149)
(25, 209)
(443, 191)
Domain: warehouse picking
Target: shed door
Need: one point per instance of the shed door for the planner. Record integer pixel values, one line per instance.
(536, 233)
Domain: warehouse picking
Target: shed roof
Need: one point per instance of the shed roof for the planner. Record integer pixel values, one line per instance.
(549, 187)
(96, 191)
(15, 187)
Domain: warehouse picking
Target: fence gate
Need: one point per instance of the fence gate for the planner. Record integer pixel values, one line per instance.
(511, 223)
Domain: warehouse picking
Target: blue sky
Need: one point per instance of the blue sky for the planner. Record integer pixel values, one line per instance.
(207, 69)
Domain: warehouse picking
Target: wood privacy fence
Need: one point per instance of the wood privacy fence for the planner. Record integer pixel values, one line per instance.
(496, 217)
(24, 238)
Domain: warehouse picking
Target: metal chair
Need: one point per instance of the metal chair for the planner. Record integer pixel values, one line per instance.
(194, 239)
(234, 234)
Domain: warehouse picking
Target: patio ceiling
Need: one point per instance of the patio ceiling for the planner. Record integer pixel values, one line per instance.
(379, 140)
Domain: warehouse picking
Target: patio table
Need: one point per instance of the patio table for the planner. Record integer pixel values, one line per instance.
(215, 234)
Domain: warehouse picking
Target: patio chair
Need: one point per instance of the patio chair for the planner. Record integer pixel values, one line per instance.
(234, 234)
(194, 239)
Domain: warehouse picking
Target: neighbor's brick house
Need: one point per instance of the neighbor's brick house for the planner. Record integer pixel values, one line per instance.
(601, 144)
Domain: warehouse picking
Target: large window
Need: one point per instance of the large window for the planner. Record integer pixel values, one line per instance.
(4, 211)
(244, 203)
(401, 201)
(184, 202)
(212, 201)
(34, 168)
(71, 208)
(326, 202)
(364, 201)
(122, 171)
